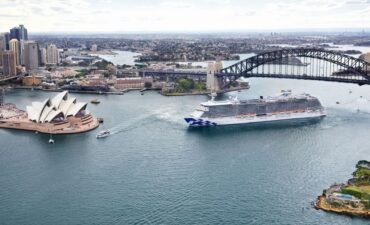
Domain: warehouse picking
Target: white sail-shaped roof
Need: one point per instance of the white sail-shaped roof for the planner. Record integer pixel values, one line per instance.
(57, 100)
(52, 115)
(38, 108)
(67, 105)
(46, 112)
(76, 108)
(61, 104)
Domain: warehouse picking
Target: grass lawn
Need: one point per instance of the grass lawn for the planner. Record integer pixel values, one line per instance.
(364, 188)
(361, 192)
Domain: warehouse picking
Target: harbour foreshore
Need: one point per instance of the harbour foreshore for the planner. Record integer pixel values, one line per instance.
(203, 92)
(323, 205)
(70, 126)
(121, 92)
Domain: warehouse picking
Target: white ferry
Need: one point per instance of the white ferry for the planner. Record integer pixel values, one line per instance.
(103, 134)
(282, 107)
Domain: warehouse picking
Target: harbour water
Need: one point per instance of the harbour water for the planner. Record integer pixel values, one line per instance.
(121, 57)
(153, 170)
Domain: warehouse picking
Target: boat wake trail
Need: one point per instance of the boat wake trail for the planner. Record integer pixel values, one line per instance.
(130, 124)
(169, 114)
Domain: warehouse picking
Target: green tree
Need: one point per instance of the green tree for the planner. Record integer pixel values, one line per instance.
(103, 65)
(106, 74)
(140, 66)
(200, 86)
(185, 85)
(82, 73)
(148, 85)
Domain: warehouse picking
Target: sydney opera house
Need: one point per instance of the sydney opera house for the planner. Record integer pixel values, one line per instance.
(59, 115)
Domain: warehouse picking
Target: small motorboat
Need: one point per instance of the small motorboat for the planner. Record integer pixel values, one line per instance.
(51, 140)
(103, 134)
(95, 101)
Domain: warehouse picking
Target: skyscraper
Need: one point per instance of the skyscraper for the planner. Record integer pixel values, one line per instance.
(20, 33)
(52, 54)
(14, 33)
(14, 45)
(43, 53)
(6, 39)
(2, 43)
(23, 34)
(9, 66)
(31, 55)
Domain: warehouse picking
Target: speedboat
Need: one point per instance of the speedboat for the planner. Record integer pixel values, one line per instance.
(103, 134)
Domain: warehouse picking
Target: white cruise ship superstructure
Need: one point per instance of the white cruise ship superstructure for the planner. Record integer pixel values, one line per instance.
(282, 107)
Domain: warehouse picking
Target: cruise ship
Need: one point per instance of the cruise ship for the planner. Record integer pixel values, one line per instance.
(282, 107)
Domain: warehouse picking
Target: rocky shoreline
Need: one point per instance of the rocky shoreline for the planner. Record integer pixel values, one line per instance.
(351, 198)
(321, 204)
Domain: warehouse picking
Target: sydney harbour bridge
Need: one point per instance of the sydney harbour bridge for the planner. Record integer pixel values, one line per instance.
(290, 63)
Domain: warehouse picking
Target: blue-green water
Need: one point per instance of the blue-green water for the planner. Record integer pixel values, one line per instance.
(154, 170)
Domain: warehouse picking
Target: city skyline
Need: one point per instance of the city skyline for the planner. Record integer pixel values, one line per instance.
(199, 16)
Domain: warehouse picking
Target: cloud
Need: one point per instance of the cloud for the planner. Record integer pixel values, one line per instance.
(10, 16)
(167, 15)
(350, 2)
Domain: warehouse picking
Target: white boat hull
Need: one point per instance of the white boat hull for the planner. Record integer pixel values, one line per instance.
(102, 136)
(238, 120)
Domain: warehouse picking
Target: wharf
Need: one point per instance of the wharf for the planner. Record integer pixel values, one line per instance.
(205, 92)
(73, 91)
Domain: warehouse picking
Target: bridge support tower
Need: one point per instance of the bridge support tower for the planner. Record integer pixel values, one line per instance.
(214, 83)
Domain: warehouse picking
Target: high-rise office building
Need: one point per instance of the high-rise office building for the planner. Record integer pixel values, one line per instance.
(20, 33)
(6, 39)
(14, 45)
(14, 33)
(52, 54)
(31, 55)
(43, 53)
(9, 66)
(23, 34)
(2, 43)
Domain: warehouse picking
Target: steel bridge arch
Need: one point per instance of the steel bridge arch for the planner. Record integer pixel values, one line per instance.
(358, 67)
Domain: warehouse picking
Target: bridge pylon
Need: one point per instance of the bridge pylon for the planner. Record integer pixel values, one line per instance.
(214, 83)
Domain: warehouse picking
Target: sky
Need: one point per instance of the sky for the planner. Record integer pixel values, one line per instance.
(186, 15)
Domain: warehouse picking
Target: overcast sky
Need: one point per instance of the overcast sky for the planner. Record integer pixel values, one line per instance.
(184, 15)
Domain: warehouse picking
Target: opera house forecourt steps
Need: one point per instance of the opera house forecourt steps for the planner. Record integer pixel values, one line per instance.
(59, 115)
